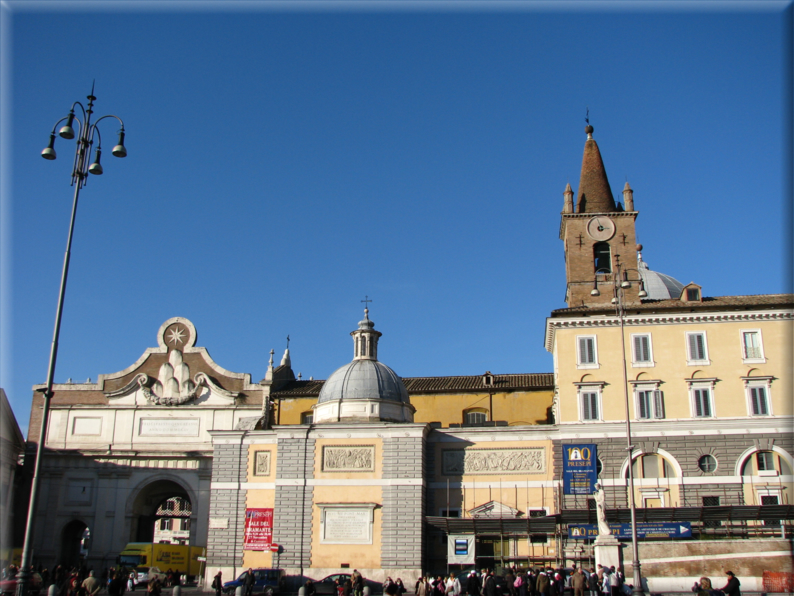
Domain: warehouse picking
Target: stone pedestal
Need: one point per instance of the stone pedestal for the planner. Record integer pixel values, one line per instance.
(608, 552)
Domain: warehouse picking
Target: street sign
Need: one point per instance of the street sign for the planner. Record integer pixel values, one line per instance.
(274, 548)
(201, 559)
(623, 531)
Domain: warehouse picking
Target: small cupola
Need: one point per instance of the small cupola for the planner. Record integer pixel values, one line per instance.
(365, 339)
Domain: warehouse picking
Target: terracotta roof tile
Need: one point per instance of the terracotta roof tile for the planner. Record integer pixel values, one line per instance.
(416, 385)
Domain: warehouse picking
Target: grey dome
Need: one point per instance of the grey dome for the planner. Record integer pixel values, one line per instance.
(364, 379)
(658, 285)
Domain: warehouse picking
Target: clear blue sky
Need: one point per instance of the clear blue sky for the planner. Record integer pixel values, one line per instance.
(287, 160)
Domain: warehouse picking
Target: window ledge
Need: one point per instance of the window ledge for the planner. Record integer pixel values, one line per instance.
(754, 360)
(767, 472)
(698, 362)
(643, 364)
(587, 366)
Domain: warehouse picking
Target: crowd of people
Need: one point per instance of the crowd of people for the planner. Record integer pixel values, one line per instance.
(81, 581)
(576, 581)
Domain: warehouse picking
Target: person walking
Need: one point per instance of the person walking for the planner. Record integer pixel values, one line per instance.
(732, 587)
(91, 585)
(249, 582)
(578, 582)
(217, 583)
(358, 583)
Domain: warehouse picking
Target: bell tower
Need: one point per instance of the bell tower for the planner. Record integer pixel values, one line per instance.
(596, 232)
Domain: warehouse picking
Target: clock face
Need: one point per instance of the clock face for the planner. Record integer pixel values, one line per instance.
(601, 228)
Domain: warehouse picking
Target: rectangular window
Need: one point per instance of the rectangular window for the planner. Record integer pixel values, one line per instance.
(769, 500)
(702, 399)
(751, 341)
(696, 345)
(587, 352)
(590, 405)
(711, 501)
(650, 404)
(759, 402)
(642, 349)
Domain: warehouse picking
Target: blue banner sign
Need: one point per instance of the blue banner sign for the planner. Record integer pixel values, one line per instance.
(623, 531)
(579, 474)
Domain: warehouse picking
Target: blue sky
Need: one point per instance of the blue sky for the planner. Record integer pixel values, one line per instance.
(285, 160)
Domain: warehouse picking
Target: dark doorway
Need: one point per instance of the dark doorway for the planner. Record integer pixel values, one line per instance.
(75, 543)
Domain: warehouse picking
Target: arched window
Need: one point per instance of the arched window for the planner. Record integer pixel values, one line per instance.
(651, 465)
(765, 463)
(602, 259)
(475, 416)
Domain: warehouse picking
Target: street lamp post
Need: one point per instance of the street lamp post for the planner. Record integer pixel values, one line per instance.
(620, 283)
(81, 168)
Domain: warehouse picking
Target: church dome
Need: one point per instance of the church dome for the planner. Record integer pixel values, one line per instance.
(364, 379)
(658, 285)
(364, 390)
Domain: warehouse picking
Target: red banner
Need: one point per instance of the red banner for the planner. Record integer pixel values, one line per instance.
(258, 529)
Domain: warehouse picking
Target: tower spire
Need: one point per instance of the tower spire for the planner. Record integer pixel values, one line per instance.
(595, 194)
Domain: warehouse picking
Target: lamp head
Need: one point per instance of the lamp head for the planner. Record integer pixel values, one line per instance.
(625, 284)
(614, 301)
(119, 150)
(96, 167)
(49, 151)
(595, 292)
(642, 293)
(67, 132)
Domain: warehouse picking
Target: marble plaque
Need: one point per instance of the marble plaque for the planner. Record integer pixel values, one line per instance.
(169, 427)
(349, 458)
(87, 426)
(262, 463)
(219, 523)
(531, 460)
(346, 525)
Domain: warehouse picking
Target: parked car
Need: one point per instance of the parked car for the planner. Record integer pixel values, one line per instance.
(266, 581)
(144, 574)
(9, 587)
(327, 585)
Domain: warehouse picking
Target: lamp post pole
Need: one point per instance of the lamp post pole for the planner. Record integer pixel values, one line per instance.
(621, 282)
(81, 168)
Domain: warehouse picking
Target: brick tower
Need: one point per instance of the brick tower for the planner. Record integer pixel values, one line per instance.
(596, 232)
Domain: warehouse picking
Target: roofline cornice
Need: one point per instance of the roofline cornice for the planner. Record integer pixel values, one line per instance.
(554, 323)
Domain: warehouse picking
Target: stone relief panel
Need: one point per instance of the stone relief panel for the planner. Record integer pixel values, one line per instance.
(349, 458)
(530, 460)
(262, 463)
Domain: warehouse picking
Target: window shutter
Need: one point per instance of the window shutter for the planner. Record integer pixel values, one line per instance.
(643, 407)
(658, 404)
(586, 350)
(642, 348)
(586, 406)
(594, 405)
(698, 403)
(759, 401)
(706, 402)
(701, 348)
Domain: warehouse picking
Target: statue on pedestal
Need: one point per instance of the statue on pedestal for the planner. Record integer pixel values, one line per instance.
(601, 511)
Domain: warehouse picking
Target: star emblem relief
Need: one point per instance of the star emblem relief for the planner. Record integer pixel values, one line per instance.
(176, 335)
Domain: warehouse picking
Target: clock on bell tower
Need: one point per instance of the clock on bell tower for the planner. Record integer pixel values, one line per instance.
(595, 231)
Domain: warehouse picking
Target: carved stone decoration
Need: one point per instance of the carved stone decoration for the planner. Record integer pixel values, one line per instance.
(349, 458)
(262, 463)
(531, 460)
